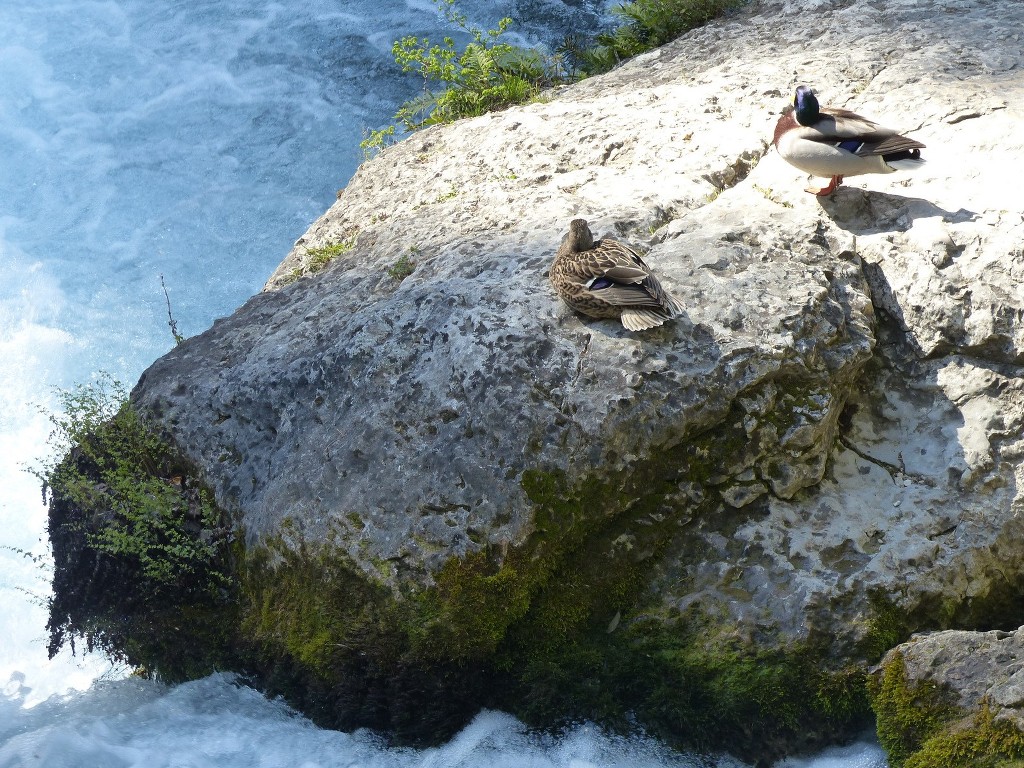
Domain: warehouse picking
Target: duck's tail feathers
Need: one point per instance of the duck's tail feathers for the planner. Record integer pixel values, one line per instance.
(641, 319)
(907, 160)
(912, 164)
(674, 305)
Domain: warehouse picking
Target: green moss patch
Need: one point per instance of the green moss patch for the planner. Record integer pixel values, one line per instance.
(559, 629)
(980, 742)
(695, 692)
(920, 727)
(345, 650)
(907, 715)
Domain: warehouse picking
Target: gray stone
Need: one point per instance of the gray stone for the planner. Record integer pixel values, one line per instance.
(971, 668)
(867, 347)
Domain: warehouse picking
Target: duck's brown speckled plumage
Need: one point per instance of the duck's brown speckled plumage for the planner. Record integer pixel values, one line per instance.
(608, 279)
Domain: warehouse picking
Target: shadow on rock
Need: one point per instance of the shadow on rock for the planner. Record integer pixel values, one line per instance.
(864, 212)
(680, 326)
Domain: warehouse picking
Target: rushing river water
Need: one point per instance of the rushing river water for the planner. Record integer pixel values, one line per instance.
(149, 140)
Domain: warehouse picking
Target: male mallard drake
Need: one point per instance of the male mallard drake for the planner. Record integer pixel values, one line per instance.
(607, 279)
(833, 143)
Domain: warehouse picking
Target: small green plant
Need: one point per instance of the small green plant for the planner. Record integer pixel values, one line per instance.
(491, 74)
(374, 141)
(402, 268)
(106, 462)
(646, 24)
(318, 258)
(321, 257)
(770, 196)
(142, 557)
(713, 194)
(487, 75)
(452, 192)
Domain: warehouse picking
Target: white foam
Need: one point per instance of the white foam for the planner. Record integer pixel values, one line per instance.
(30, 303)
(215, 722)
(864, 754)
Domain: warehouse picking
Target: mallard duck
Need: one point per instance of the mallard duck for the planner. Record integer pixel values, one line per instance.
(833, 143)
(606, 279)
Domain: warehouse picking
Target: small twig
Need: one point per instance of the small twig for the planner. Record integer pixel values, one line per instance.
(178, 338)
(39, 560)
(946, 532)
(893, 470)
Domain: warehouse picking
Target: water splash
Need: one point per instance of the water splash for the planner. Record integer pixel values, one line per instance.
(217, 723)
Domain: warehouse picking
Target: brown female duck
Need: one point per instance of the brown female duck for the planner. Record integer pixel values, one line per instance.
(608, 279)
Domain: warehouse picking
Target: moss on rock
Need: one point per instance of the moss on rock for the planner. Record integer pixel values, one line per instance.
(980, 741)
(561, 627)
(342, 648)
(557, 629)
(351, 654)
(919, 726)
(695, 688)
(907, 715)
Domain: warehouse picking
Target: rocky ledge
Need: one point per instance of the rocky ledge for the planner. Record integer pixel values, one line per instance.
(449, 491)
(953, 698)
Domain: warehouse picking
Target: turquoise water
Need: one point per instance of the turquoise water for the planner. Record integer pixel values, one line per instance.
(190, 143)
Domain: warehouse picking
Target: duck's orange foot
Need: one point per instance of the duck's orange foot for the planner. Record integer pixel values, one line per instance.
(833, 185)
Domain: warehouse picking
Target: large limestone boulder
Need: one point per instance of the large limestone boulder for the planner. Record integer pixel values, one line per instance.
(435, 465)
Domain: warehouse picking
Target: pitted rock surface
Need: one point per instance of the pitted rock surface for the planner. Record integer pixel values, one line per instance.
(971, 669)
(868, 346)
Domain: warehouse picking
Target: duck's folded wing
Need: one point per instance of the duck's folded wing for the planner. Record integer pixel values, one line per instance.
(858, 135)
(610, 267)
(629, 274)
(843, 122)
(627, 296)
(889, 146)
